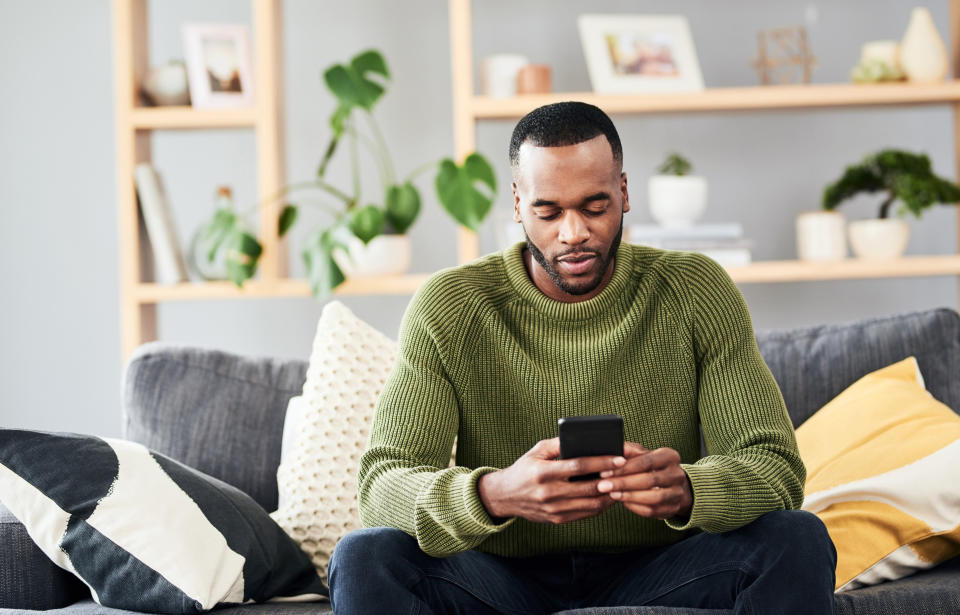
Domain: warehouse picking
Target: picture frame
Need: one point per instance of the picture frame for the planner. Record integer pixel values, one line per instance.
(219, 65)
(632, 54)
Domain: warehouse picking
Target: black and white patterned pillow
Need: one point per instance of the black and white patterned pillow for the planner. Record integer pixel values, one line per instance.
(144, 532)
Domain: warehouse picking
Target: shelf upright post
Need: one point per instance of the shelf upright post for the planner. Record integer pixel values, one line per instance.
(139, 319)
(271, 167)
(464, 127)
(954, 8)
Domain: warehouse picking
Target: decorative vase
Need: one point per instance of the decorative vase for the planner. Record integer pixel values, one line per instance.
(821, 236)
(677, 201)
(384, 255)
(879, 238)
(923, 55)
(167, 84)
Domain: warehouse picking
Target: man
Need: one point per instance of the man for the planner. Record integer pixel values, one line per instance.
(573, 323)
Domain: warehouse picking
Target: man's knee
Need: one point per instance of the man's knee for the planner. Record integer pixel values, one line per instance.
(372, 547)
(797, 532)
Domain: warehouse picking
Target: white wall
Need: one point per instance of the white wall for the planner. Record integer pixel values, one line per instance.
(60, 356)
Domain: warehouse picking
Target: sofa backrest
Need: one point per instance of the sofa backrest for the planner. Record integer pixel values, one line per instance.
(215, 411)
(814, 364)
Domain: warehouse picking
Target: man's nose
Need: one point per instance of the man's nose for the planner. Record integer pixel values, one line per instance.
(573, 229)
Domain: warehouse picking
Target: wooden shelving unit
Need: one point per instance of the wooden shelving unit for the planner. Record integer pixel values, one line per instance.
(470, 109)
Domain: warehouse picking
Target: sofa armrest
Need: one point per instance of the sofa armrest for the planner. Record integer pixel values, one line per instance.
(28, 579)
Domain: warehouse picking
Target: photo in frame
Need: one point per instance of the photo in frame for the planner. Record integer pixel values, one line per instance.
(632, 54)
(219, 65)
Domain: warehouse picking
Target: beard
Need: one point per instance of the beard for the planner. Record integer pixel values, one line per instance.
(578, 288)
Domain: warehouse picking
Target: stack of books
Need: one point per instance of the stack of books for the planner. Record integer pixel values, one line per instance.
(722, 242)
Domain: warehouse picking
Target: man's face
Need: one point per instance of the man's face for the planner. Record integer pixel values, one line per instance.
(570, 201)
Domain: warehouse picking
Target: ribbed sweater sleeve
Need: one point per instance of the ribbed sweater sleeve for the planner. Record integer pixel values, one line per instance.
(752, 465)
(404, 481)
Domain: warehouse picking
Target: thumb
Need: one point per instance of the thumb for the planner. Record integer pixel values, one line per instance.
(546, 449)
(632, 449)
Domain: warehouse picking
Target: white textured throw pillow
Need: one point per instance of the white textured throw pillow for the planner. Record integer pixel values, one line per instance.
(317, 478)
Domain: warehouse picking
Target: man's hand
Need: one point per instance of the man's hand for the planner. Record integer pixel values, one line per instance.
(650, 484)
(536, 488)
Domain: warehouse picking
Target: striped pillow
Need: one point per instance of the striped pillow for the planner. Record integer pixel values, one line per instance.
(883, 469)
(144, 532)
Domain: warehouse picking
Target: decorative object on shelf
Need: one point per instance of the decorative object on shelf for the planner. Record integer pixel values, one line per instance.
(677, 199)
(166, 84)
(639, 53)
(783, 56)
(465, 191)
(923, 55)
(169, 265)
(534, 79)
(383, 255)
(723, 242)
(879, 61)
(219, 65)
(498, 74)
(901, 175)
(821, 236)
(224, 249)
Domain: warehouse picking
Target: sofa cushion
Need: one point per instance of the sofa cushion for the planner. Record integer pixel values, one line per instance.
(28, 579)
(813, 365)
(883, 462)
(214, 411)
(145, 532)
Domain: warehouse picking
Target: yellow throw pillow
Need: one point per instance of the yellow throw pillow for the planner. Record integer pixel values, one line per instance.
(883, 473)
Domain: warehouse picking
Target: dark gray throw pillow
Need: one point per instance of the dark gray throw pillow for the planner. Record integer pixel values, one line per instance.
(144, 532)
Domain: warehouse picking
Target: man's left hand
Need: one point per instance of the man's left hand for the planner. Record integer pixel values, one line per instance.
(650, 484)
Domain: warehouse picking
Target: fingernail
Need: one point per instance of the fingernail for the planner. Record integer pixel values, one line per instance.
(606, 474)
(604, 485)
(619, 461)
(615, 494)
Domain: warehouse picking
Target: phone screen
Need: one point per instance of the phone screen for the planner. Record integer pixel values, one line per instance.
(590, 436)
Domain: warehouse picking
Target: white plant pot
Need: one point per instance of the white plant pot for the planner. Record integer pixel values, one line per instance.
(879, 239)
(821, 236)
(677, 200)
(167, 84)
(923, 55)
(384, 255)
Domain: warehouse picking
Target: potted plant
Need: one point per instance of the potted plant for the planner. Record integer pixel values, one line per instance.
(361, 232)
(677, 199)
(903, 176)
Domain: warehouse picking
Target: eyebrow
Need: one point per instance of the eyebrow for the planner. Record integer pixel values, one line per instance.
(599, 196)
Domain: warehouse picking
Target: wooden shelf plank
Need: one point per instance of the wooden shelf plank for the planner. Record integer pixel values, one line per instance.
(848, 269)
(153, 118)
(186, 291)
(731, 99)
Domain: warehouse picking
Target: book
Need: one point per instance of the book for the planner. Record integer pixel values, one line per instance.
(697, 244)
(169, 264)
(641, 233)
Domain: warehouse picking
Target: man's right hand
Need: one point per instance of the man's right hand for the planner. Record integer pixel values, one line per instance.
(536, 486)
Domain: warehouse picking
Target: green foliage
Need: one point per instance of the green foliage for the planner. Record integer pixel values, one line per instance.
(674, 164)
(465, 191)
(901, 175)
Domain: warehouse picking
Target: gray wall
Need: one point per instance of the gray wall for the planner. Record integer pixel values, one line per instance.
(60, 362)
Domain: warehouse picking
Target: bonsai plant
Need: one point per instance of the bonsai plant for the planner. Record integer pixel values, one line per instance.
(677, 199)
(903, 176)
(465, 191)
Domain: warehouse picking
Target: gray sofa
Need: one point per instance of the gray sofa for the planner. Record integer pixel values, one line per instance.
(223, 414)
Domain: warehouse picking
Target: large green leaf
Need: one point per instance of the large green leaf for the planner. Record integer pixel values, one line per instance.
(467, 191)
(224, 223)
(356, 84)
(323, 273)
(367, 222)
(243, 254)
(402, 206)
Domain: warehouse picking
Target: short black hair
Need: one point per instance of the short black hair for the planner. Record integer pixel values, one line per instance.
(564, 123)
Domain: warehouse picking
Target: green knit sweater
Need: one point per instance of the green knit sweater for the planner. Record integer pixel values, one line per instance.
(487, 358)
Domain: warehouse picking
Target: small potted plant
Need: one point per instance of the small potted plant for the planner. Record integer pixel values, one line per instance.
(364, 236)
(677, 199)
(903, 176)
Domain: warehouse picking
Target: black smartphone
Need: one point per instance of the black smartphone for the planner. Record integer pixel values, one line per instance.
(590, 436)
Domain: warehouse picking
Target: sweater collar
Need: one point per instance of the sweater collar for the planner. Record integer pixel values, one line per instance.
(611, 294)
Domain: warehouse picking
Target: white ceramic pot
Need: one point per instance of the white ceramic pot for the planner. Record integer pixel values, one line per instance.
(677, 200)
(879, 238)
(821, 236)
(384, 255)
(167, 84)
(923, 55)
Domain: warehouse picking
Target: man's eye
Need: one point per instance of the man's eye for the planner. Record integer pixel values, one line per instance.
(594, 212)
(550, 217)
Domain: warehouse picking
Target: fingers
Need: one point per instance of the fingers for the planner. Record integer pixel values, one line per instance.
(574, 509)
(666, 478)
(649, 461)
(565, 468)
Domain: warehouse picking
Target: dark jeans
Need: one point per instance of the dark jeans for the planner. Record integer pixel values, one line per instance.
(782, 563)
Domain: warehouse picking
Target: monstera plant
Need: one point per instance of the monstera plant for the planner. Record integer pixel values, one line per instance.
(465, 191)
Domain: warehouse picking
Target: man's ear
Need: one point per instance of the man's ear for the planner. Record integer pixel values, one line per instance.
(624, 193)
(516, 202)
